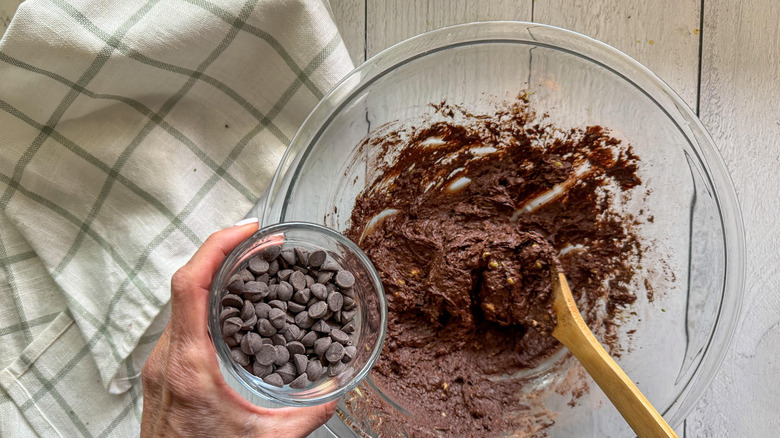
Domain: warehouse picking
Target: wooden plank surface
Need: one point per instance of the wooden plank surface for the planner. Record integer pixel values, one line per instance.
(392, 21)
(350, 15)
(739, 106)
(662, 35)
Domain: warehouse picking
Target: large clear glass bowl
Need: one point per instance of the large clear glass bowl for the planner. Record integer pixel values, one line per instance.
(694, 247)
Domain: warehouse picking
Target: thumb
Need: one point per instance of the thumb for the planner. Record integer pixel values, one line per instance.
(300, 422)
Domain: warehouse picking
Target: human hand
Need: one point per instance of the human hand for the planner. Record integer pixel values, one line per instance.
(184, 392)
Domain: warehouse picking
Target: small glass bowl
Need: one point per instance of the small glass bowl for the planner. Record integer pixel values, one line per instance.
(370, 320)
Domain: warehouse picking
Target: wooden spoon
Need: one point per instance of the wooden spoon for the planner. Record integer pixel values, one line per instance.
(572, 332)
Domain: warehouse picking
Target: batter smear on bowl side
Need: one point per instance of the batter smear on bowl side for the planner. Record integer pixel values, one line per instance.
(463, 219)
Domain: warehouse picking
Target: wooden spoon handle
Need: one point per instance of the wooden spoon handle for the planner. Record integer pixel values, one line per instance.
(572, 332)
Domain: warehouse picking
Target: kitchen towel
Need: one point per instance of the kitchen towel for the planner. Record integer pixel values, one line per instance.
(130, 131)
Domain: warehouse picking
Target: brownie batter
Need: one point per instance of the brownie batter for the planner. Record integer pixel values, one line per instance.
(463, 219)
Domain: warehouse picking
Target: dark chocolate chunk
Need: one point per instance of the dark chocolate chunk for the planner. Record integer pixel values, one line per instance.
(282, 356)
(318, 310)
(231, 326)
(266, 355)
(270, 253)
(231, 300)
(299, 382)
(314, 369)
(258, 265)
(274, 379)
(317, 257)
(239, 356)
(335, 301)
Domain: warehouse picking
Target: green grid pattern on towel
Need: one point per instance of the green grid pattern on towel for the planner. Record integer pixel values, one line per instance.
(45, 384)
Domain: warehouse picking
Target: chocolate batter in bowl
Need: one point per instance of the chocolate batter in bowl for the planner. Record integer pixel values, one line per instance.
(448, 157)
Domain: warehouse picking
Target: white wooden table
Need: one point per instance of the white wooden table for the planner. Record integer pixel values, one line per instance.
(723, 58)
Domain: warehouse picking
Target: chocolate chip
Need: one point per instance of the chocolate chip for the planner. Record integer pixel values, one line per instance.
(228, 312)
(278, 339)
(289, 256)
(297, 280)
(263, 279)
(308, 339)
(348, 315)
(349, 354)
(239, 357)
(335, 352)
(266, 355)
(300, 361)
(334, 369)
(321, 345)
(274, 379)
(260, 370)
(330, 265)
(251, 343)
(321, 327)
(348, 293)
(284, 291)
(324, 277)
(249, 323)
(339, 336)
(316, 258)
(294, 307)
(309, 281)
(258, 266)
(299, 382)
(235, 340)
(278, 304)
(284, 274)
(232, 325)
(345, 279)
(303, 320)
(319, 291)
(335, 301)
(348, 327)
(318, 310)
(277, 317)
(262, 309)
(287, 372)
(270, 253)
(265, 328)
(231, 300)
(302, 296)
(295, 347)
(314, 370)
(302, 255)
(245, 275)
(273, 268)
(256, 287)
(235, 284)
(291, 332)
(282, 356)
(272, 288)
(248, 310)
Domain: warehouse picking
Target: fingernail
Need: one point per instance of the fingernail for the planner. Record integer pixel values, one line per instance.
(249, 220)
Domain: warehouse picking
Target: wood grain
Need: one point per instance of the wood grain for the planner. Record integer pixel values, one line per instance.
(392, 21)
(350, 17)
(662, 35)
(739, 107)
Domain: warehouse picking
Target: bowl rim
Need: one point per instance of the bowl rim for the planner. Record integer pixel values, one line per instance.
(704, 148)
(290, 398)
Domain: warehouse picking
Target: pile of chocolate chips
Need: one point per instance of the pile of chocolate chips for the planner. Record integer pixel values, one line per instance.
(288, 316)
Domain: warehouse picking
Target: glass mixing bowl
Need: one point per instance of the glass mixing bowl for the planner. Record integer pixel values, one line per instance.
(694, 245)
